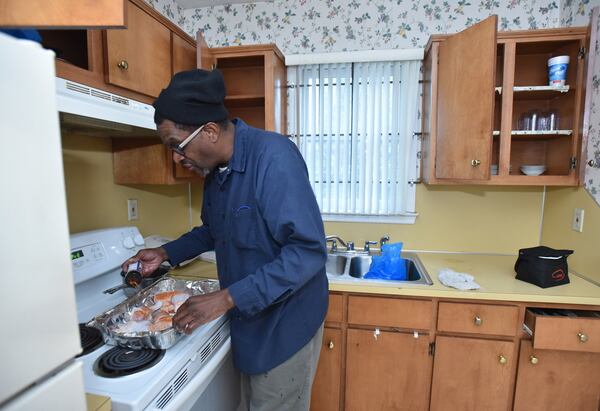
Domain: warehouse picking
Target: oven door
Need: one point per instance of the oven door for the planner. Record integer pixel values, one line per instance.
(216, 387)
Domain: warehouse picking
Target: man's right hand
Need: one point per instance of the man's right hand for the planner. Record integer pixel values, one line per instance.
(150, 259)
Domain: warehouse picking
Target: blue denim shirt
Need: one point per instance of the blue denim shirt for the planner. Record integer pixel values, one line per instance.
(262, 219)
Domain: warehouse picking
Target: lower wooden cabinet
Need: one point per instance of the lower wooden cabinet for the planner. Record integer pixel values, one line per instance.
(387, 370)
(326, 386)
(403, 353)
(552, 380)
(471, 374)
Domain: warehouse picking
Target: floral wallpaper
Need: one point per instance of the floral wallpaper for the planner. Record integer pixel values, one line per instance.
(592, 173)
(576, 12)
(317, 26)
(171, 10)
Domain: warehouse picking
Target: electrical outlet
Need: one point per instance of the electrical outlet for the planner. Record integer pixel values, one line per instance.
(132, 209)
(577, 223)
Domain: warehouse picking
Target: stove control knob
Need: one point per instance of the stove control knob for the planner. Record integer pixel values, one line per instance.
(128, 242)
(139, 240)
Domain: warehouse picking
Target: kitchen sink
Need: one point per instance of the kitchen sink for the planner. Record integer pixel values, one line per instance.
(336, 264)
(354, 266)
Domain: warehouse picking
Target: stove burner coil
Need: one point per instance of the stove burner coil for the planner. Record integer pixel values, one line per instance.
(91, 339)
(120, 361)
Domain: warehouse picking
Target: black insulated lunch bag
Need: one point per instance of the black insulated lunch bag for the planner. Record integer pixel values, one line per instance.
(543, 266)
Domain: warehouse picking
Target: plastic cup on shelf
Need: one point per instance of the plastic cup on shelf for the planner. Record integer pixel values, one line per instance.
(557, 70)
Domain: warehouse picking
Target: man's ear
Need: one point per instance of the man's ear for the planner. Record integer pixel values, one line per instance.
(213, 132)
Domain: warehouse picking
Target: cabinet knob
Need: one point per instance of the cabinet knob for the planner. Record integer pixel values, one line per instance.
(477, 320)
(475, 163)
(582, 337)
(123, 65)
(592, 163)
(502, 359)
(533, 359)
(330, 345)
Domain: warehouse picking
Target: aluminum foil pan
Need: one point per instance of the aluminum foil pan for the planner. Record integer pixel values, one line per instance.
(111, 322)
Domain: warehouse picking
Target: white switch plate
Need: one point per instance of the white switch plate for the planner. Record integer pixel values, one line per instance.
(577, 223)
(132, 209)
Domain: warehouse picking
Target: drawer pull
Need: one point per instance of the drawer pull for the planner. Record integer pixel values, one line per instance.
(123, 65)
(478, 320)
(502, 359)
(533, 359)
(330, 345)
(475, 163)
(582, 337)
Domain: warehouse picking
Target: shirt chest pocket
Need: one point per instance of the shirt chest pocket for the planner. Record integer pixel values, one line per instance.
(244, 221)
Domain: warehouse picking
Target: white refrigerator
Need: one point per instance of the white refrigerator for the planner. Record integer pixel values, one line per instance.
(39, 336)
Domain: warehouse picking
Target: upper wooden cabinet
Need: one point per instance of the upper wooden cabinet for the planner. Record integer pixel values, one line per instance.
(480, 87)
(255, 79)
(136, 62)
(139, 58)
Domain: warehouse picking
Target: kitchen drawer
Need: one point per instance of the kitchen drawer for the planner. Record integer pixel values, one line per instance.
(560, 329)
(335, 310)
(478, 318)
(390, 312)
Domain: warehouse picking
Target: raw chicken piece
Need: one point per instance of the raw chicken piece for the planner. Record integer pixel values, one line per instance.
(141, 313)
(162, 323)
(164, 296)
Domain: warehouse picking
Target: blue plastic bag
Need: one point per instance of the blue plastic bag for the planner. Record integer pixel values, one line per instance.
(389, 265)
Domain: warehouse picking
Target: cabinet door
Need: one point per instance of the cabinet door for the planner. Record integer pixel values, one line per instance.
(204, 58)
(184, 55)
(139, 58)
(465, 115)
(471, 374)
(389, 371)
(184, 58)
(552, 380)
(326, 387)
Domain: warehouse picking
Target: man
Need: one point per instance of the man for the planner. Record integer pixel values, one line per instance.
(260, 216)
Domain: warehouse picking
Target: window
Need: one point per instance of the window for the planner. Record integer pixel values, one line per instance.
(355, 124)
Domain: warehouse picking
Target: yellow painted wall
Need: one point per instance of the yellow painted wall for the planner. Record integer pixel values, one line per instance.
(557, 232)
(480, 219)
(95, 201)
(461, 218)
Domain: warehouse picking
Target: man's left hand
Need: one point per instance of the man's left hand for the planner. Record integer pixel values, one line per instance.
(200, 309)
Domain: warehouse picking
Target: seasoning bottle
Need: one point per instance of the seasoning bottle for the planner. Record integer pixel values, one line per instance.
(133, 277)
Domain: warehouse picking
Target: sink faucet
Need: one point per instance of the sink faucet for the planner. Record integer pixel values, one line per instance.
(368, 245)
(384, 240)
(333, 238)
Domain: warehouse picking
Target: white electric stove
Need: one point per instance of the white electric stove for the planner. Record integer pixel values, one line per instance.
(195, 374)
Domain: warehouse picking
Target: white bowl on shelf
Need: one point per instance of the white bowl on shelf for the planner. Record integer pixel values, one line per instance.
(533, 170)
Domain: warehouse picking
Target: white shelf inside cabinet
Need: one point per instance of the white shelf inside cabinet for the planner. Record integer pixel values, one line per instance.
(537, 132)
(520, 89)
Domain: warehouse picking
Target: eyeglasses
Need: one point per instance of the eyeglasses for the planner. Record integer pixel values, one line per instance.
(180, 148)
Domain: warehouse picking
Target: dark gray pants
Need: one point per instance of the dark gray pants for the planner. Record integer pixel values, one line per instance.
(286, 387)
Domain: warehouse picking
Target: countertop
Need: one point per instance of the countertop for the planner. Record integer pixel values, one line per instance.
(494, 273)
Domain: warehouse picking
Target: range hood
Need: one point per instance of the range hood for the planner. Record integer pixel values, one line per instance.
(90, 111)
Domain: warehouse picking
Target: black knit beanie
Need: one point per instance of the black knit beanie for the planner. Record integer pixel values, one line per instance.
(192, 97)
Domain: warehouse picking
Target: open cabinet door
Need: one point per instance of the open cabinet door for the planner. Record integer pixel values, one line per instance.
(590, 170)
(465, 115)
(204, 58)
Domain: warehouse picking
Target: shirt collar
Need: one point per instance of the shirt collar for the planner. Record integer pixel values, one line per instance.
(238, 159)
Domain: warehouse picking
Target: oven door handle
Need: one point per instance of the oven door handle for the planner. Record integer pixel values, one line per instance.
(185, 398)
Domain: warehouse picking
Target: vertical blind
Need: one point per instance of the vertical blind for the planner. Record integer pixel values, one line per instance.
(354, 124)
